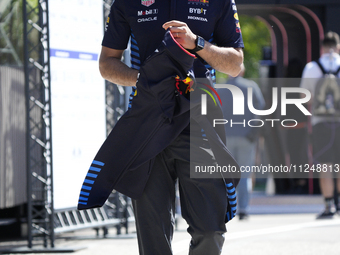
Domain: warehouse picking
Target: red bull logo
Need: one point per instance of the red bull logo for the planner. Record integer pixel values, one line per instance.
(184, 85)
(202, 2)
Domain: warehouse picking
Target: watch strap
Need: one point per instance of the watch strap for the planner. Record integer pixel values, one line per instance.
(197, 46)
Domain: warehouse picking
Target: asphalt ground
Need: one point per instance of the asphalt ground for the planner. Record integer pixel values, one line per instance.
(276, 225)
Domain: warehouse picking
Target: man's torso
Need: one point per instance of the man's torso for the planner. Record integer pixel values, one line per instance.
(145, 20)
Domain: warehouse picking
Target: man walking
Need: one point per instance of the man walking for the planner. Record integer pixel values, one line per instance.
(211, 31)
(325, 118)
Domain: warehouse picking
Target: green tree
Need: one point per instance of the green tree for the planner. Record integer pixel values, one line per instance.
(11, 30)
(255, 36)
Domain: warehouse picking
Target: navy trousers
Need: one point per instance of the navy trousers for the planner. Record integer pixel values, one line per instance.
(203, 205)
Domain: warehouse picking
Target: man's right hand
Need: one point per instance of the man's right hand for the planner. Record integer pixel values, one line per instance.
(182, 33)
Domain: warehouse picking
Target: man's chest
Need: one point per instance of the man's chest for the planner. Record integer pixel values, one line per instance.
(146, 17)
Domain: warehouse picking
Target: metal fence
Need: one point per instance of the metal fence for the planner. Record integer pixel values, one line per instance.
(25, 129)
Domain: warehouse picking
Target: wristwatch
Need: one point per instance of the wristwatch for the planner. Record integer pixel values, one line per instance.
(199, 42)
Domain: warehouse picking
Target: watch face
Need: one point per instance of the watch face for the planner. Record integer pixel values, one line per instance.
(200, 42)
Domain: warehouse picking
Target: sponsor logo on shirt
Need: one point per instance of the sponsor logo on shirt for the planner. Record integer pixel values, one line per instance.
(147, 12)
(238, 27)
(198, 11)
(107, 23)
(199, 2)
(234, 5)
(198, 18)
(147, 3)
(147, 19)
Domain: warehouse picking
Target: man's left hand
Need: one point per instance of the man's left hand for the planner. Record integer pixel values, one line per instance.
(182, 33)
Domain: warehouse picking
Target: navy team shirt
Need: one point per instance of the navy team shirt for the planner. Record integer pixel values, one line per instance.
(214, 20)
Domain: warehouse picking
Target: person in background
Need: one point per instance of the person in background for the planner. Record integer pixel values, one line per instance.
(241, 138)
(296, 137)
(326, 126)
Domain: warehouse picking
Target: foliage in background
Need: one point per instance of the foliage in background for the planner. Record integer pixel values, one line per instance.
(255, 36)
(11, 30)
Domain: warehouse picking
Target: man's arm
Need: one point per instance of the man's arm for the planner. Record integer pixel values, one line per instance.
(114, 70)
(224, 59)
(310, 76)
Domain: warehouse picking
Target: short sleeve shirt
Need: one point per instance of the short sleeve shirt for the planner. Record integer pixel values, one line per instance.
(215, 20)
